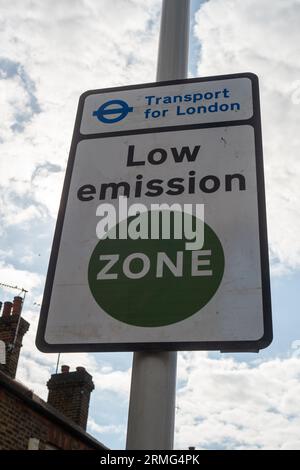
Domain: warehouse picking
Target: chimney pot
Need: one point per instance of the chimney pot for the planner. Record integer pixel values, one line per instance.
(7, 309)
(17, 305)
(65, 369)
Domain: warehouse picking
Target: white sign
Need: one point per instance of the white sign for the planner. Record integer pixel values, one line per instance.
(190, 143)
(164, 106)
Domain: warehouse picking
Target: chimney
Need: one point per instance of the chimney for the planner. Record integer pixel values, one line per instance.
(12, 330)
(7, 309)
(69, 392)
(17, 305)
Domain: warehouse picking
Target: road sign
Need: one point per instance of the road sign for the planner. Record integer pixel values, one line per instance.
(185, 142)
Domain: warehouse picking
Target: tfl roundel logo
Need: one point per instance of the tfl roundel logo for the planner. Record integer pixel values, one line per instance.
(112, 111)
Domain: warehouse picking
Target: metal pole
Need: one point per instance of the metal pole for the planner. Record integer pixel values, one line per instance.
(153, 382)
(173, 49)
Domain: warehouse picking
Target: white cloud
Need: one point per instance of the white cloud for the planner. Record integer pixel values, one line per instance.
(18, 277)
(262, 36)
(53, 52)
(234, 405)
(115, 381)
(4, 254)
(14, 101)
(21, 217)
(106, 429)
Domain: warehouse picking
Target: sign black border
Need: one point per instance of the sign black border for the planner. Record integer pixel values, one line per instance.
(223, 346)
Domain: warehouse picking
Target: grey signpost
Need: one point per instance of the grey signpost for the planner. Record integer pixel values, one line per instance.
(153, 385)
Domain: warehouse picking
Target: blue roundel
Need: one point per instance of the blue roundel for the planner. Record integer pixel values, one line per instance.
(112, 111)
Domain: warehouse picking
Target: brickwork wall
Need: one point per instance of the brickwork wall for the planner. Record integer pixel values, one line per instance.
(19, 423)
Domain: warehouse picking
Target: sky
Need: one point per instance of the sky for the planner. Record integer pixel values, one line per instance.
(50, 53)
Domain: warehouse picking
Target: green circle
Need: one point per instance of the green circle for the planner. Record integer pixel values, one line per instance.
(151, 301)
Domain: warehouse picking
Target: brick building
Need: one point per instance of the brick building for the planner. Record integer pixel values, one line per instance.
(27, 421)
